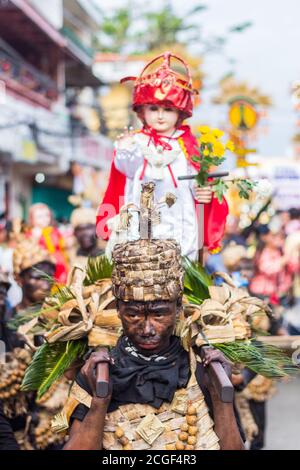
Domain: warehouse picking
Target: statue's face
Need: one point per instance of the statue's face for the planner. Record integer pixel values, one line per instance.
(161, 118)
(86, 236)
(34, 285)
(148, 325)
(41, 217)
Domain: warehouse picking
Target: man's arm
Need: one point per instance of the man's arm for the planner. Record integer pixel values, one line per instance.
(88, 434)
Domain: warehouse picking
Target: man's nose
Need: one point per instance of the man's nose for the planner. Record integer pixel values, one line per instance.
(148, 328)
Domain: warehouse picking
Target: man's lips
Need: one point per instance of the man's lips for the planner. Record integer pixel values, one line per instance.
(148, 344)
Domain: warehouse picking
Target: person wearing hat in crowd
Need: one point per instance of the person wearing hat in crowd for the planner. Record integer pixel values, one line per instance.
(161, 151)
(33, 268)
(159, 396)
(274, 269)
(29, 260)
(83, 222)
(235, 261)
(253, 390)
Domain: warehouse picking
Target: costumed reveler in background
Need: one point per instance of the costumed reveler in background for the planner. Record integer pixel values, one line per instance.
(29, 418)
(161, 151)
(83, 223)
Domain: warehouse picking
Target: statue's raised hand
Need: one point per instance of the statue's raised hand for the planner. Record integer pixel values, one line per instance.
(126, 140)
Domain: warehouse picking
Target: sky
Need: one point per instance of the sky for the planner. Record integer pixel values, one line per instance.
(266, 55)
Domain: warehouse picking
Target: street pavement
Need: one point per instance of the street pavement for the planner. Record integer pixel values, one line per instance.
(283, 417)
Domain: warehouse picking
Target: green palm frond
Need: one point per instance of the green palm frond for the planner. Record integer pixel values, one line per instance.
(263, 359)
(62, 295)
(196, 281)
(55, 301)
(49, 363)
(23, 317)
(98, 268)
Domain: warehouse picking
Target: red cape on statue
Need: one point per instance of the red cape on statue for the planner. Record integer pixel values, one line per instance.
(215, 213)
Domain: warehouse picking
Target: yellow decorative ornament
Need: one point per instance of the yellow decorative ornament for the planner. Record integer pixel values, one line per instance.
(230, 146)
(242, 115)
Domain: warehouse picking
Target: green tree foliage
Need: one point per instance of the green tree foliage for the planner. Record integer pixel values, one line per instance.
(134, 29)
(114, 31)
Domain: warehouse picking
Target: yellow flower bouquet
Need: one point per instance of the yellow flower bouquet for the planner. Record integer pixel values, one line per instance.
(211, 154)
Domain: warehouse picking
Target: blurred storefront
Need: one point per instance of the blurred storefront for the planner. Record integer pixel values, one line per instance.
(284, 175)
(42, 59)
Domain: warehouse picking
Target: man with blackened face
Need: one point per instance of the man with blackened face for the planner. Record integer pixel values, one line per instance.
(156, 399)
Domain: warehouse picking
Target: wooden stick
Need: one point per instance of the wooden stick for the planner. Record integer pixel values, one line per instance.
(216, 174)
(219, 379)
(283, 342)
(102, 379)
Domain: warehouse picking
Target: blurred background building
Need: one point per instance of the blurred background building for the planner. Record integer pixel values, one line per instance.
(49, 113)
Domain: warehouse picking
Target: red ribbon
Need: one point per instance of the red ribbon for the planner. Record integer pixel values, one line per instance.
(157, 139)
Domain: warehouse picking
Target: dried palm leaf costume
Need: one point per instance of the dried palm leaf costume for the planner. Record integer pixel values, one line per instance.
(166, 410)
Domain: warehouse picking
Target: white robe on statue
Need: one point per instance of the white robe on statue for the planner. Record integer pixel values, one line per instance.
(178, 222)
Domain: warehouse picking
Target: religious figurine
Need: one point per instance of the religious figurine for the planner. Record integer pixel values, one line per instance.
(161, 151)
